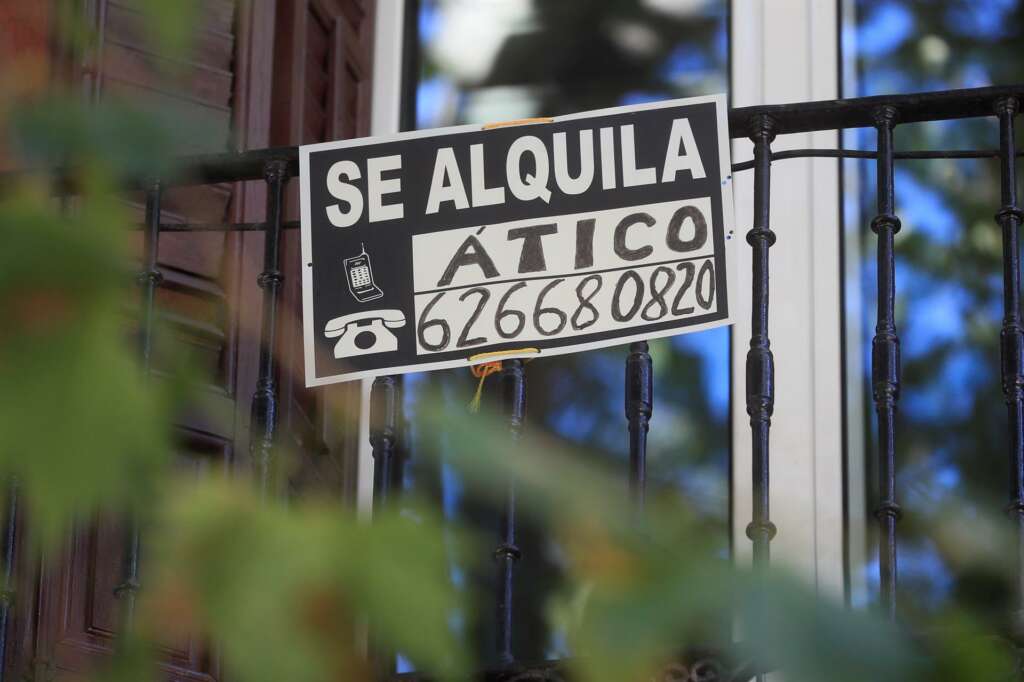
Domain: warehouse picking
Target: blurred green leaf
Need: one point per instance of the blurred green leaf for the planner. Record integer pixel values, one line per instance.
(79, 428)
(287, 590)
(168, 25)
(171, 23)
(133, 141)
(961, 648)
(133, 660)
(646, 587)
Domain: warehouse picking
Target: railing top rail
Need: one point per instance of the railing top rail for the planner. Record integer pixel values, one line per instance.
(797, 117)
(942, 105)
(789, 118)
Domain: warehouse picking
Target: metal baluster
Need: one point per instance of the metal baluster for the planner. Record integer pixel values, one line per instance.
(383, 435)
(639, 405)
(7, 597)
(402, 446)
(264, 399)
(149, 279)
(384, 405)
(513, 391)
(760, 362)
(885, 360)
(129, 585)
(1011, 337)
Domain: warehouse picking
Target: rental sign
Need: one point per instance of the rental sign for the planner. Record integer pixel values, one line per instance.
(445, 248)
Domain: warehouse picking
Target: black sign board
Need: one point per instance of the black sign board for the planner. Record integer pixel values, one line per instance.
(445, 248)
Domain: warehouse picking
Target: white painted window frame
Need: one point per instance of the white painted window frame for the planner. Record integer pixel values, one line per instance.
(782, 51)
(788, 51)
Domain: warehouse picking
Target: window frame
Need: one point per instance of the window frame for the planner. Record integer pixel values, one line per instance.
(791, 54)
(770, 63)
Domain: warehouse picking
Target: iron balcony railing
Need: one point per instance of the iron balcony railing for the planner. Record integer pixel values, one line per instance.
(761, 124)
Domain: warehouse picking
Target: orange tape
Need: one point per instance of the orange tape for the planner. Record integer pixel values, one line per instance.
(518, 122)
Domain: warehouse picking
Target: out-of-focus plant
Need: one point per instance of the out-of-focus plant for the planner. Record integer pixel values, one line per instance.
(80, 427)
(288, 589)
(77, 425)
(285, 590)
(643, 590)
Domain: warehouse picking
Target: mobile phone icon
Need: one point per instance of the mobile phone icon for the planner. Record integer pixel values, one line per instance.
(359, 276)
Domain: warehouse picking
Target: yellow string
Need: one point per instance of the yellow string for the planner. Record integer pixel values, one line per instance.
(486, 369)
(482, 371)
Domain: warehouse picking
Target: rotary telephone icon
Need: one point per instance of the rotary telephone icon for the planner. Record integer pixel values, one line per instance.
(365, 333)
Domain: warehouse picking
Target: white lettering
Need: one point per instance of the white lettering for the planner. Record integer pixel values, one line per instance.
(682, 153)
(378, 187)
(446, 184)
(631, 175)
(344, 191)
(581, 182)
(607, 158)
(482, 194)
(529, 186)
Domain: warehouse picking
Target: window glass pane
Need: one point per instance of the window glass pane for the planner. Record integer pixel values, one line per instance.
(952, 426)
(482, 61)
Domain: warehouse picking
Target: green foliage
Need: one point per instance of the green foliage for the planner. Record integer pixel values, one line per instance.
(168, 24)
(286, 591)
(172, 23)
(78, 427)
(84, 428)
(644, 588)
(289, 589)
(133, 141)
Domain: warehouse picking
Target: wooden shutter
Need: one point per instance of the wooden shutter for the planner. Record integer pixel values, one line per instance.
(321, 92)
(316, 55)
(67, 618)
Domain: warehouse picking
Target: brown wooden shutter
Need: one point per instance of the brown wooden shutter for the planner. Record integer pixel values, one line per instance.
(316, 56)
(321, 92)
(68, 620)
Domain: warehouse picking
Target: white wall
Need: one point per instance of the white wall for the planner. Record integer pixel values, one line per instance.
(787, 51)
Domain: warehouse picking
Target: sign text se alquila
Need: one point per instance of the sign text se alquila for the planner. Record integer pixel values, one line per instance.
(438, 248)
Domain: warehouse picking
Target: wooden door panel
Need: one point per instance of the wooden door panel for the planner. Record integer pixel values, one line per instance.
(213, 47)
(80, 615)
(75, 618)
(204, 84)
(262, 73)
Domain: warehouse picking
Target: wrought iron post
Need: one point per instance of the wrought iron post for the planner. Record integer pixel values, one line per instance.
(401, 445)
(885, 360)
(149, 279)
(7, 596)
(264, 399)
(639, 405)
(1011, 337)
(384, 410)
(513, 391)
(760, 369)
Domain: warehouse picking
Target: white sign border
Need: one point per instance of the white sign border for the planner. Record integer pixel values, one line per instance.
(305, 234)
